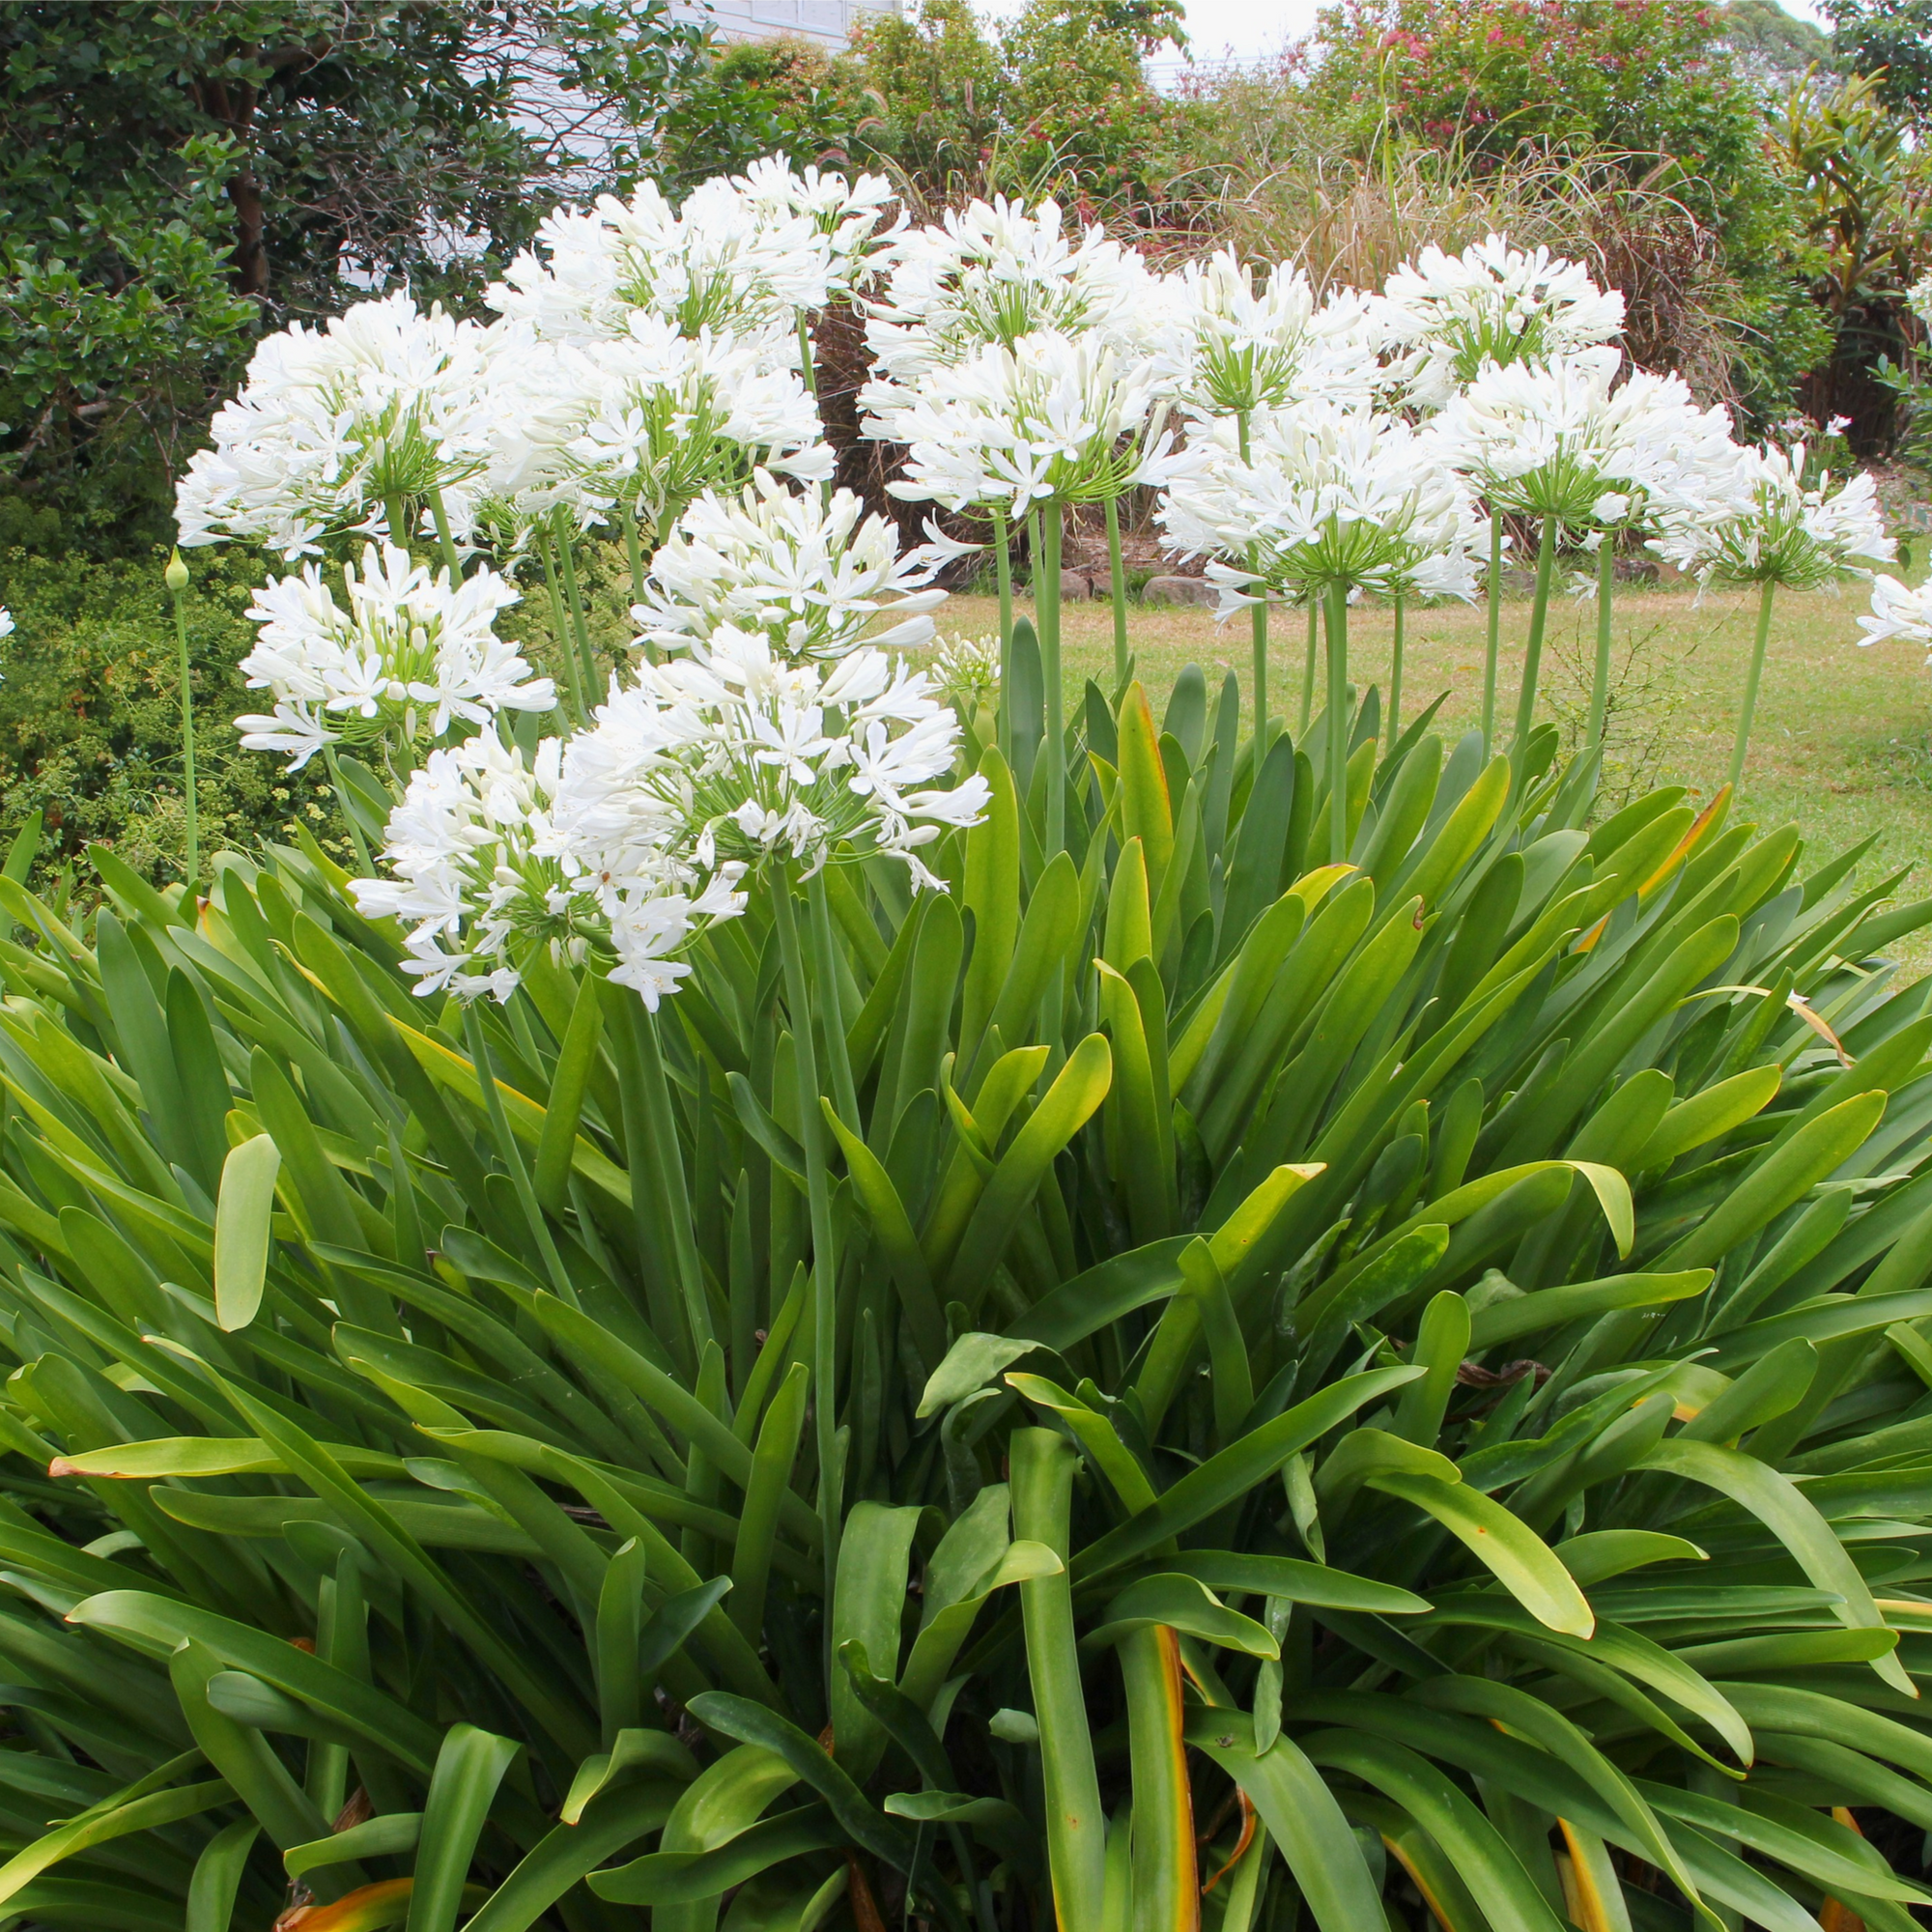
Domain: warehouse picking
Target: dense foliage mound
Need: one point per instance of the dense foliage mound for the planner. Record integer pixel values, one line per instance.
(1360, 1384)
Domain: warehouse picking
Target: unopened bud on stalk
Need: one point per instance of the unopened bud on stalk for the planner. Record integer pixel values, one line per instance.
(175, 576)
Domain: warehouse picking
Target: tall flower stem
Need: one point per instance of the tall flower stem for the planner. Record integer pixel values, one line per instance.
(1395, 676)
(1257, 619)
(348, 817)
(1309, 663)
(668, 1175)
(1338, 722)
(176, 582)
(1492, 645)
(1539, 618)
(1742, 749)
(559, 625)
(1116, 583)
(824, 1252)
(566, 552)
(1002, 572)
(398, 520)
(1599, 678)
(634, 549)
(1046, 601)
(829, 1003)
(445, 537)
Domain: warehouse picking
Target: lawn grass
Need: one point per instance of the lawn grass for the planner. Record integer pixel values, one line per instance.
(1843, 744)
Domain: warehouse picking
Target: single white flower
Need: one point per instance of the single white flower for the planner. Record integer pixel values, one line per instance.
(1326, 497)
(1897, 611)
(1052, 418)
(813, 575)
(407, 657)
(383, 405)
(1760, 522)
(1447, 315)
(633, 428)
(1224, 347)
(1562, 439)
(761, 756)
(992, 273)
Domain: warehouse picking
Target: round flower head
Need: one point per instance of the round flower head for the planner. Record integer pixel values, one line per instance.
(811, 575)
(1897, 611)
(407, 657)
(1760, 522)
(748, 254)
(1226, 347)
(1326, 497)
(849, 216)
(767, 758)
(638, 426)
(482, 874)
(992, 273)
(1450, 314)
(1053, 419)
(383, 403)
(1555, 439)
(967, 670)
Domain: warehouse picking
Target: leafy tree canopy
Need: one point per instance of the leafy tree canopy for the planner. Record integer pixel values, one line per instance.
(175, 175)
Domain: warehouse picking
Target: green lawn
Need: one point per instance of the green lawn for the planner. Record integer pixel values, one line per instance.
(1843, 743)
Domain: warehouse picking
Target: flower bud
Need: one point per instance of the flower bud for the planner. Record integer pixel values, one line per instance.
(175, 576)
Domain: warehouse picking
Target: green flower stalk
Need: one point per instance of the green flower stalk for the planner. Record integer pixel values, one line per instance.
(176, 579)
(1492, 637)
(1395, 675)
(1117, 585)
(1539, 620)
(1600, 677)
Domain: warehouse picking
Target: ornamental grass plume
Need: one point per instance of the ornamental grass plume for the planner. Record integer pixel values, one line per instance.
(1762, 520)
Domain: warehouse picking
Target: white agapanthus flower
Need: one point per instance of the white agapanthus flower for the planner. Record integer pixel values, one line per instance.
(1760, 522)
(408, 655)
(766, 756)
(1053, 419)
(1447, 315)
(1327, 496)
(813, 574)
(382, 404)
(482, 873)
(1899, 611)
(1562, 439)
(967, 669)
(635, 427)
(992, 273)
(1918, 298)
(1224, 347)
(745, 254)
(849, 217)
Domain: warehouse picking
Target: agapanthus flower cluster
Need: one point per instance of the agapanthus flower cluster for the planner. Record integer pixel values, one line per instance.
(753, 252)
(967, 670)
(483, 872)
(400, 661)
(638, 425)
(1226, 347)
(1053, 419)
(1448, 315)
(385, 403)
(765, 756)
(1899, 611)
(1760, 521)
(992, 273)
(1327, 497)
(1562, 439)
(1918, 298)
(813, 574)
